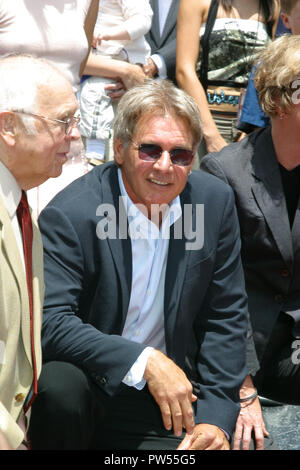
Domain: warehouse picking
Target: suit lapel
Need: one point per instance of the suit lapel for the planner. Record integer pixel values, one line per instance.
(296, 230)
(11, 251)
(269, 195)
(175, 272)
(120, 245)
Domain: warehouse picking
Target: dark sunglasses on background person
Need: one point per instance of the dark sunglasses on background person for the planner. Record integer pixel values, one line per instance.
(152, 152)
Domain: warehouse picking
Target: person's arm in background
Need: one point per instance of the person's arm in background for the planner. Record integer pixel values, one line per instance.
(137, 22)
(126, 75)
(191, 15)
(89, 26)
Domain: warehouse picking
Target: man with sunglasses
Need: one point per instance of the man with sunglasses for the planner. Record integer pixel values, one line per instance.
(37, 124)
(129, 295)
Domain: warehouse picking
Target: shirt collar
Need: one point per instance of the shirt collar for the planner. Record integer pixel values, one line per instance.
(145, 226)
(10, 191)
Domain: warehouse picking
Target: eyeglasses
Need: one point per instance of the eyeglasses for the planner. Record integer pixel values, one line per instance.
(153, 152)
(68, 123)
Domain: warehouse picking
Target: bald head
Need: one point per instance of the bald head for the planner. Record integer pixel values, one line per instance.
(36, 103)
(24, 79)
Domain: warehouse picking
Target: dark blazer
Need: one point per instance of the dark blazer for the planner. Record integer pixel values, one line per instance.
(165, 44)
(88, 285)
(270, 250)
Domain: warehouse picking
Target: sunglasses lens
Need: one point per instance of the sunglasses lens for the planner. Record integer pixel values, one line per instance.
(149, 152)
(181, 157)
(152, 152)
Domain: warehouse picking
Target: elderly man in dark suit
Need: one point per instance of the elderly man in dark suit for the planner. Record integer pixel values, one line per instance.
(264, 173)
(142, 257)
(162, 39)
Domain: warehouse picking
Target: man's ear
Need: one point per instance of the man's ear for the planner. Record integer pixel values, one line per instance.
(118, 152)
(8, 127)
(285, 20)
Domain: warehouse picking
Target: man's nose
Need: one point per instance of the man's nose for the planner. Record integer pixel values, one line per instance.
(74, 133)
(164, 163)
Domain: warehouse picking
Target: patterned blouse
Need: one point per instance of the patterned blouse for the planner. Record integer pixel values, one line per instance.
(234, 46)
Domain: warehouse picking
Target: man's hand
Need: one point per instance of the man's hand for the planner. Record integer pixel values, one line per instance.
(150, 69)
(205, 437)
(172, 391)
(115, 90)
(131, 74)
(250, 420)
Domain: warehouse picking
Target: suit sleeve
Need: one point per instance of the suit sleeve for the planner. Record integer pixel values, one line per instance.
(211, 165)
(65, 336)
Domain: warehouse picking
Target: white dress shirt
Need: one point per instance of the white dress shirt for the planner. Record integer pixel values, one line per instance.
(10, 193)
(163, 11)
(145, 317)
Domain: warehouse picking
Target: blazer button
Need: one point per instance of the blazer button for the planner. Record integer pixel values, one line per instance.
(20, 397)
(284, 273)
(103, 381)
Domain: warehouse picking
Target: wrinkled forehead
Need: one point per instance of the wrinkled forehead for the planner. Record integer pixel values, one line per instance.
(56, 96)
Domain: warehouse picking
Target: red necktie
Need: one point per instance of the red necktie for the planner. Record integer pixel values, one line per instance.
(24, 218)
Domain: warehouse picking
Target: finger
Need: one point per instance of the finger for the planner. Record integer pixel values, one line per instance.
(237, 437)
(117, 85)
(201, 442)
(115, 96)
(166, 415)
(210, 441)
(186, 442)
(224, 445)
(114, 87)
(246, 438)
(259, 438)
(177, 418)
(188, 417)
(265, 431)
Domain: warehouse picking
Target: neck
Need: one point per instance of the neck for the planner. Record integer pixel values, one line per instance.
(286, 149)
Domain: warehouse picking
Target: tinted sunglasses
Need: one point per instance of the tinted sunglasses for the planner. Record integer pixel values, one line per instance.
(153, 152)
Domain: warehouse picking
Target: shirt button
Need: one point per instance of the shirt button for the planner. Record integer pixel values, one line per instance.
(20, 397)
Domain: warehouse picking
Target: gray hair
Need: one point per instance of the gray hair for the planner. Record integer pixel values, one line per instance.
(21, 77)
(159, 97)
